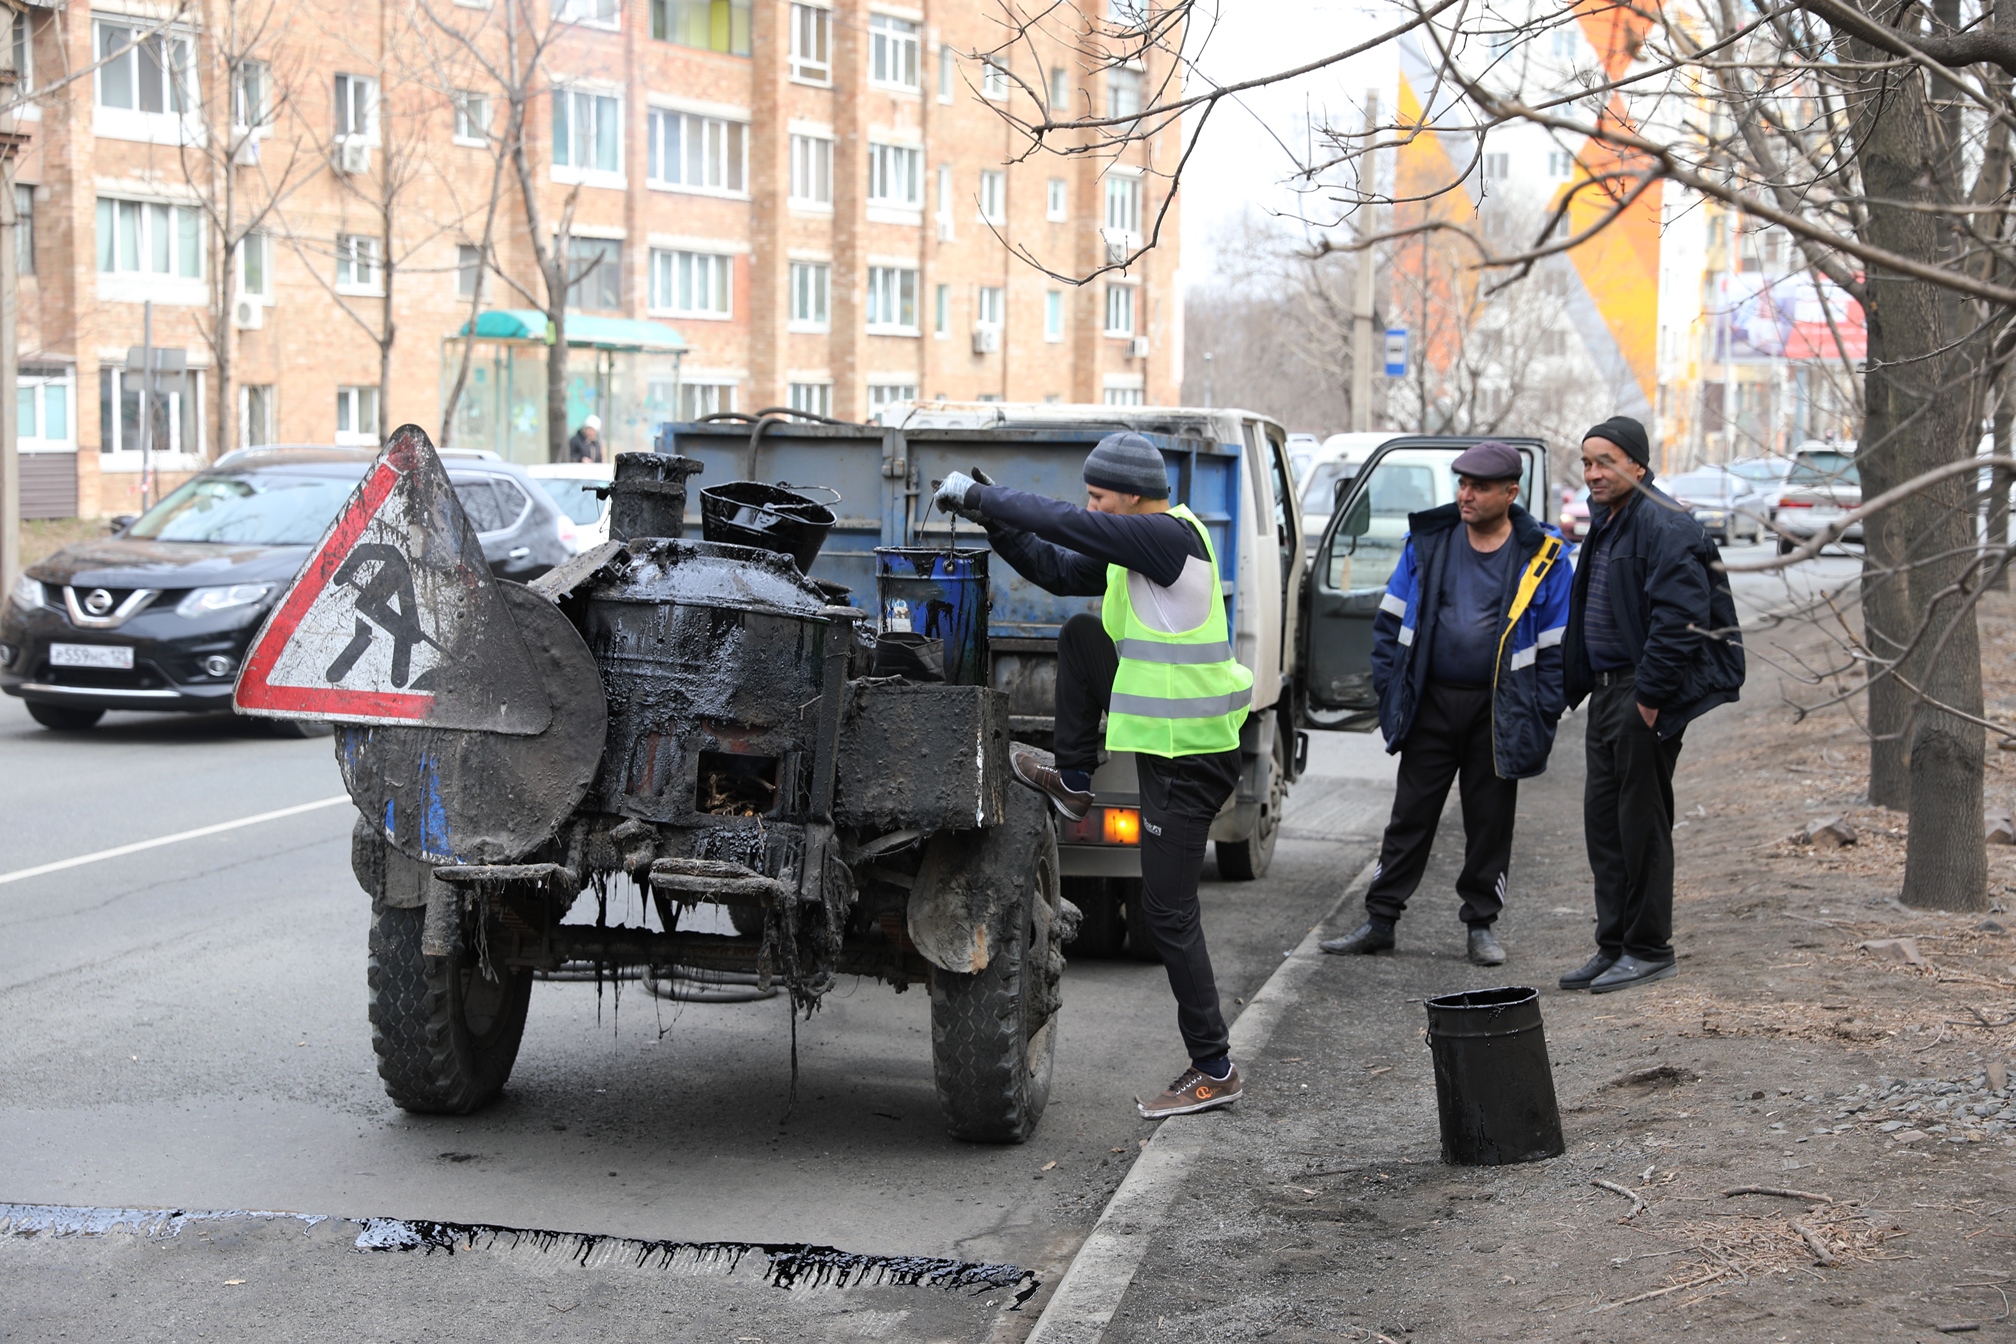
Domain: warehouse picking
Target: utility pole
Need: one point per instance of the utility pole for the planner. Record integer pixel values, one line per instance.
(11, 141)
(1365, 290)
(1208, 403)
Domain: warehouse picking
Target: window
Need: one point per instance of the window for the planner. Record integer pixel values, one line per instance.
(255, 415)
(948, 70)
(249, 108)
(356, 107)
(892, 52)
(692, 284)
(814, 397)
(493, 503)
(1560, 163)
(176, 421)
(993, 78)
(893, 176)
(945, 202)
(988, 306)
(150, 73)
(881, 394)
(42, 412)
(468, 271)
(811, 291)
(1124, 396)
(1055, 201)
(255, 262)
(1053, 315)
(603, 13)
(24, 52)
(701, 399)
(1127, 13)
(595, 273)
(1060, 89)
(892, 299)
(24, 230)
(1123, 93)
(1123, 205)
(587, 131)
(1497, 167)
(811, 44)
(148, 238)
(942, 310)
(357, 415)
(811, 170)
(357, 263)
(1119, 310)
(1564, 41)
(472, 118)
(698, 153)
(993, 196)
(711, 25)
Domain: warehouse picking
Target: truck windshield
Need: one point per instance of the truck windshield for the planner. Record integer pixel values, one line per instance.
(247, 509)
(1824, 469)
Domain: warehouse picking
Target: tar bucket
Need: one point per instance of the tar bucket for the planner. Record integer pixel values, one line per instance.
(768, 517)
(941, 595)
(1493, 1086)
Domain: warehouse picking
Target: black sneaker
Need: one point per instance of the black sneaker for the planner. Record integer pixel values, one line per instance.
(1038, 770)
(1630, 971)
(1369, 937)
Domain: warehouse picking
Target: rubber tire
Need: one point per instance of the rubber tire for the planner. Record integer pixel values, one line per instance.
(1786, 545)
(994, 1033)
(64, 718)
(1248, 860)
(432, 1059)
(1102, 933)
(1140, 946)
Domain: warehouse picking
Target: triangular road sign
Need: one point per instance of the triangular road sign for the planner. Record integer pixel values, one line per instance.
(395, 619)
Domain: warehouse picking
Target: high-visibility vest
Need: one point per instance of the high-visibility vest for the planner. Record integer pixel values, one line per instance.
(1178, 690)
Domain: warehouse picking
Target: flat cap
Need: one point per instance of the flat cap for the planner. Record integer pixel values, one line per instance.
(1489, 461)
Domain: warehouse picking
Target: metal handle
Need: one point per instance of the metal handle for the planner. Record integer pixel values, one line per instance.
(518, 553)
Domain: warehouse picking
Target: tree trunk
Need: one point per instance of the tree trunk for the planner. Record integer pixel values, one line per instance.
(556, 381)
(1995, 574)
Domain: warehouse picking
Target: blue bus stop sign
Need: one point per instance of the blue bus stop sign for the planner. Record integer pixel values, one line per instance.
(1396, 352)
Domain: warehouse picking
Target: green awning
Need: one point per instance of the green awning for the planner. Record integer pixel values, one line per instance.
(603, 333)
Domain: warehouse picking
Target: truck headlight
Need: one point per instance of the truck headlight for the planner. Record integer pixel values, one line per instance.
(28, 593)
(210, 601)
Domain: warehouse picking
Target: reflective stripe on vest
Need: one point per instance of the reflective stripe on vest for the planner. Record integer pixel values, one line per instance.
(1175, 692)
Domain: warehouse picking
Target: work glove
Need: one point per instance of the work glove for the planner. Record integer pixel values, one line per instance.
(951, 496)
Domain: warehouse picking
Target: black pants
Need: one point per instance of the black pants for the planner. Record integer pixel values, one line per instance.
(1627, 816)
(1179, 799)
(1450, 740)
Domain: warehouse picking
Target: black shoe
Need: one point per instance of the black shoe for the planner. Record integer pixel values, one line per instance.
(1631, 971)
(1485, 950)
(1038, 770)
(1581, 977)
(1371, 936)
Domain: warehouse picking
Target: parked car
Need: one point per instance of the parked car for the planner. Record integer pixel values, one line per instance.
(1821, 484)
(1575, 516)
(158, 615)
(1334, 465)
(584, 515)
(1715, 498)
(1302, 452)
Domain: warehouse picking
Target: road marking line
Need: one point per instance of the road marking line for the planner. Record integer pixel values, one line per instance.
(22, 874)
(1099, 1276)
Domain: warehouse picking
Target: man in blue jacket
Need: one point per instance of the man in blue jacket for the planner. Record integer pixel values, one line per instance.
(1466, 658)
(1653, 644)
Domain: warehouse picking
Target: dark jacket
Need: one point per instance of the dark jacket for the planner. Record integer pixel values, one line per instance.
(581, 448)
(1674, 612)
(1526, 692)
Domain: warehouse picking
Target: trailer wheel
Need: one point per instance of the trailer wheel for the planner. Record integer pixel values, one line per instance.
(445, 1034)
(1247, 860)
(63, 718)
(994, 1033)
(1102, 932)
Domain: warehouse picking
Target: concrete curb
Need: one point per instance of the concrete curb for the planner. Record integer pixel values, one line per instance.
(1090, 1292)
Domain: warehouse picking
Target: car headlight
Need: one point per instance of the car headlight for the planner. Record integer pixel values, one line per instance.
(210, 601)
(28, 593)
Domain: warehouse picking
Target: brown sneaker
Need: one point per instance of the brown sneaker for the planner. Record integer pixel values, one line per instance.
(1194, 1091)
(1038, 770)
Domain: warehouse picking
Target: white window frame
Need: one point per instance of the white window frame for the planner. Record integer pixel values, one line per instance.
(260, 121)
(812, 396)
(811, 27)
(1123, 92)
(32, 390)
(701, 395)
(1560, 164)
(941, 311)
(1123, 207)
(142, 282)
(1121, 303)
(166, 127)
(343, 90)
(352, 400)
(1495, 166)
(895, 53)
(176, 454)
(948, 74)
(944, 216)
(264, 244)
(365, 252)
(680, 275)
(1060, 89)
(595, 275)
(811, 285)
(882, 394)
(993, 196)
(886, 292)
(993, 79)
(611, 21)
(1057, 201)
(811, 172)
(990, 307)
(468, 256)
(269, 431)
(900, 166)
(724, 152)
(1053, 315)
(572, 173)
(1114, 394)
(472, 118)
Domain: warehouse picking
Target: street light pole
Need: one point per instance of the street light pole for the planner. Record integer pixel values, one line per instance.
(1208, 403)
(1365, 292)
(11, 141)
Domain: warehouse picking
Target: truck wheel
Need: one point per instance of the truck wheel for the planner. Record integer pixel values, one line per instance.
(1247, 860)
(1140, 945)
(63, 718)
(1101, 933)
(994, 1033)
(1786, 545)
(445, 1034)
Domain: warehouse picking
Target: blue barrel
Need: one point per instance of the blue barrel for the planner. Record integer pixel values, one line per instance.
(941, 595)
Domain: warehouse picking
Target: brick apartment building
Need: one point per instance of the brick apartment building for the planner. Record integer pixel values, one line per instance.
(773, 203)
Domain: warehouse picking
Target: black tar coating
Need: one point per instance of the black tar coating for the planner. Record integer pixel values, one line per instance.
(1064, 549)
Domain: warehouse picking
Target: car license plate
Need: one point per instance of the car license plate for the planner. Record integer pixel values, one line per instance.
(91, 655)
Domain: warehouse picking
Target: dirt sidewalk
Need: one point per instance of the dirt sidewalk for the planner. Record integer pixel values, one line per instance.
(1786, 1054)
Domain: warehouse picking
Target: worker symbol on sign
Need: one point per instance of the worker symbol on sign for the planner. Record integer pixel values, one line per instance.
(385, 601)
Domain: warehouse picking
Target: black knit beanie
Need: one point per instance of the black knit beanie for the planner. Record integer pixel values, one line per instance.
(1629, 435)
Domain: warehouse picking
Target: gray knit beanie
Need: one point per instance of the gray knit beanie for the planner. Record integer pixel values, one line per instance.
(1130, 464)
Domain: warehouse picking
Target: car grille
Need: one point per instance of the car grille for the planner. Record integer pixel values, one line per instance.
(142, 676)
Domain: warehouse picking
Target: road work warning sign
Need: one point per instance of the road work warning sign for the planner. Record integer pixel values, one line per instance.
(395, 618)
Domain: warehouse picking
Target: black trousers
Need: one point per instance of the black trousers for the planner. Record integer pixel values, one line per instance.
(1450, 740)
(1179, 799)
(1627, 817)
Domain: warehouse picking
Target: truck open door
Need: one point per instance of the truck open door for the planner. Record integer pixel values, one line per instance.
(1349, 568)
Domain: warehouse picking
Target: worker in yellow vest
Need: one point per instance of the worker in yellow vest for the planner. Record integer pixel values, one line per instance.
(1158, 664)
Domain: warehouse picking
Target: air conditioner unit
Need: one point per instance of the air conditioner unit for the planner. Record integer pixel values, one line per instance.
(247, 153)
(248, 314)
(1118, 244)
(1138, 348)
(353, 156)
(986, 340)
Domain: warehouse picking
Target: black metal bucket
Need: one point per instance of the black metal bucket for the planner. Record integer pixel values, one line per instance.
(1493, 1086)
(750, 513)
(648, 495)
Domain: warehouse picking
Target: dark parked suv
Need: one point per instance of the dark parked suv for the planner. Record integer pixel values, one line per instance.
(158, 615)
